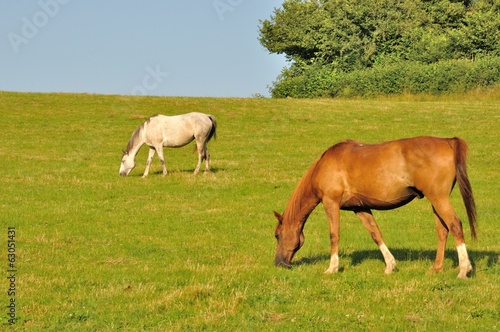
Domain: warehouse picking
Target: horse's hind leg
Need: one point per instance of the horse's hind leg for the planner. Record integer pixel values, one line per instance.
(200, 149)
(159, 150)
(207, 160)
(444, 211)
(372, 227)
(442, 234)
(202, 155)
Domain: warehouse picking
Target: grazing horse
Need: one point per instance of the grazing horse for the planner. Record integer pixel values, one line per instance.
(170, 131)
(360, 177)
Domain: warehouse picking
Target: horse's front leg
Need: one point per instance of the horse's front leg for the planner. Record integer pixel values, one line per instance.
(372, 228)
(332, 209)
(151, 154)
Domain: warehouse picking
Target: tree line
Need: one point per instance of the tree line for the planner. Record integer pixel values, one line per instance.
(346, 47)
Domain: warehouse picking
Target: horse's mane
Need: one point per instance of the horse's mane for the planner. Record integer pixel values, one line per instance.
(342, 144)
(134, 137)
(295, 204)
(304, 189)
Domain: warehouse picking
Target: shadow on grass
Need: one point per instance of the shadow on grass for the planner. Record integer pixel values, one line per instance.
(401, 255)
(213, 170)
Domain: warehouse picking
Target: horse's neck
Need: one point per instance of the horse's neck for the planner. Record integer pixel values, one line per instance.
(135, 142)
(135, 149)
(301, 204)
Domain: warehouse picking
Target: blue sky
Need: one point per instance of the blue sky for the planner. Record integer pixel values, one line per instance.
(136, 47)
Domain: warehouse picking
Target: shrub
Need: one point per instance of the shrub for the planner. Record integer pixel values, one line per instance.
(437, 78)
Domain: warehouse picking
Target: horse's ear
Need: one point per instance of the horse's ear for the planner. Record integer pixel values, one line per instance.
(278, 216)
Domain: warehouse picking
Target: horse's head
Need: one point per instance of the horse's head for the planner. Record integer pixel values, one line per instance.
(289, 242)
(127, 164)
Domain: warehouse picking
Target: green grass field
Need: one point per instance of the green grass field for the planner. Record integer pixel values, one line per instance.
(98, 252)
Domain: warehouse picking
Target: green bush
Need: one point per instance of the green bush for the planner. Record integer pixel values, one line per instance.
(404, 77)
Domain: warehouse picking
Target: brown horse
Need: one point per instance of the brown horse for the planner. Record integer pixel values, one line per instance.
(360, 177)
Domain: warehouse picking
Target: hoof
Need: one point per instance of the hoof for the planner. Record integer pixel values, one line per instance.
(434, 270)
(331, 271)
(391, 266)
(464, 271)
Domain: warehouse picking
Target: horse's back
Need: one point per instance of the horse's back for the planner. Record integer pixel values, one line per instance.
(189, 119)
(385, 174)
(413, 153)
(176, 130)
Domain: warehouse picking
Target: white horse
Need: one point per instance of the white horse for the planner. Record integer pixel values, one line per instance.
(170, 131)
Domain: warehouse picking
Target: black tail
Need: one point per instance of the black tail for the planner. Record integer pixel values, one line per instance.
(463, 183)
(211, 133)
(213, 130)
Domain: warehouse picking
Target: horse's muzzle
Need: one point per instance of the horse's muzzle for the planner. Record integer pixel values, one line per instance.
(124, 172)
(283, 265)
(281, 261)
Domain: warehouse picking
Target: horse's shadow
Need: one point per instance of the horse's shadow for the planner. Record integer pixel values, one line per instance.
(213, 170)
(400, 254)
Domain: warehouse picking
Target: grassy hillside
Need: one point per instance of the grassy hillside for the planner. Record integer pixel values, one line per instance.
(100, 252)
